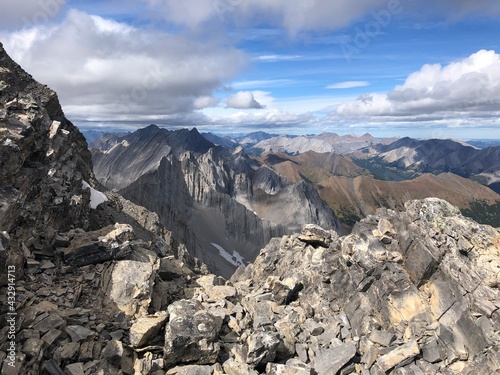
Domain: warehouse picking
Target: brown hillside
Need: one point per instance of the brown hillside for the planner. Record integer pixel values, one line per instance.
(362, 195)
(313, 166)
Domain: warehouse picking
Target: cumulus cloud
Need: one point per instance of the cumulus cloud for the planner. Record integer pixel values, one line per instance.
(292, 14)
(243, 100)
(103, 69)
(463, 90)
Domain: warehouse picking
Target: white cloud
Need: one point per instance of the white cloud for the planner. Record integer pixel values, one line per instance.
(267, 119)
(263, 83)
(243, 100)
(348, 85)
(106, 70)
(191, 13)
(463, 90)
(205, 102)
(292, 14)
(276, 58)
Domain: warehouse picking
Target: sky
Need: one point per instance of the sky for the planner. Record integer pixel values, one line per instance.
(424, 69)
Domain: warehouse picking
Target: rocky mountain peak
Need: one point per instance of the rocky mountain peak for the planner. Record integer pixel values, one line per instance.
(44, 158)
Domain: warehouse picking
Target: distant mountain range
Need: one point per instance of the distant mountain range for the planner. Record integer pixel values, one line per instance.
(209, 196)
(258, 143)
(354, 192)
(353, 175)
(271, 184)
(410, 157)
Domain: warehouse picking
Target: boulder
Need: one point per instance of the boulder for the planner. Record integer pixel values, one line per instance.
(191, 334)
(398, 355)
(128, 284)
(262, 347)
(146, 328)
(330, 361)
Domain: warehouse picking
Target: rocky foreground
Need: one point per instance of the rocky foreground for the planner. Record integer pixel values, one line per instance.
(414, 292)
(90, 288)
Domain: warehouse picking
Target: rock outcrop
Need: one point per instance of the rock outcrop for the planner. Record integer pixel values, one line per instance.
(44, 159)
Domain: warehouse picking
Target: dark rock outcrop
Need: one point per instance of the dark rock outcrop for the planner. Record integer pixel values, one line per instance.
(44, 158)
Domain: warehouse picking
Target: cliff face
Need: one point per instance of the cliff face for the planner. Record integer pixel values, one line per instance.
(219, 202)
(60, 240)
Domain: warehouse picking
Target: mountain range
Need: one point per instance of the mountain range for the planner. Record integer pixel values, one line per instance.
(364, 174)
(435, 156)
(214, 199)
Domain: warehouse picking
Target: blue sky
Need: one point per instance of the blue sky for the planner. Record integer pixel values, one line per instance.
(389, 67)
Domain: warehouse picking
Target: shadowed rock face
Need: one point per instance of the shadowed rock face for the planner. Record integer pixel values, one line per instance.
(208, 196)
(43, 162)
(43, 157)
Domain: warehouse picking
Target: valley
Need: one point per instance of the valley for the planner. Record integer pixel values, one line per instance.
(363, 174)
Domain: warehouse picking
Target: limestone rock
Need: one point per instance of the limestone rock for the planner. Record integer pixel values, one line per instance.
(109, 243)
(232, 367)
(280, 369)
(398, 355)
(78, 333)
(315, 235)
(146, 328)
(262, 347)
(74, 369)
(191, 334)
(190, 370)
(113, 352)
(129, 284)
(330, 361)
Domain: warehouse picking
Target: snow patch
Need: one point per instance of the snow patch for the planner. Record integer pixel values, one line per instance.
(96, 197)
(236, 259)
